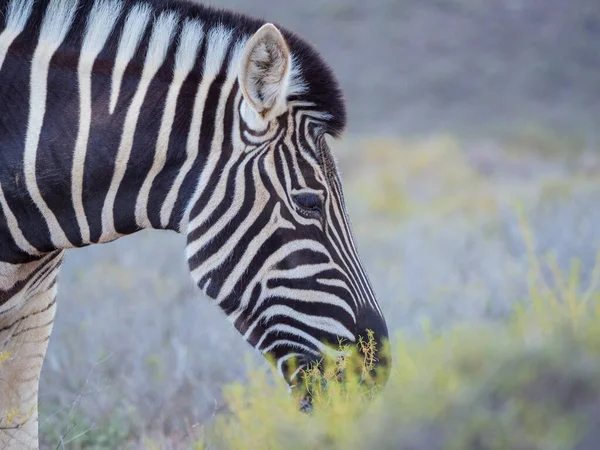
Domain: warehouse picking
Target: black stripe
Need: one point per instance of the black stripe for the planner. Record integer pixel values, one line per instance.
(57, 141)
(42, 276)
(8, 327)
(176, 153)
(105, 134)
(320, 335)
(207, 131)
(315, 309)
(190, 181)
(32, 328)
(14, 116)
(19, 285)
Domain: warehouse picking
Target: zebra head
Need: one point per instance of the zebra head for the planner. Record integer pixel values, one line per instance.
(271, 241)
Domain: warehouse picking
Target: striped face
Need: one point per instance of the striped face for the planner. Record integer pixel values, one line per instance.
(271, 243)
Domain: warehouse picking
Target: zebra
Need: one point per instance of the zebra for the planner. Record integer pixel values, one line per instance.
(123, 115)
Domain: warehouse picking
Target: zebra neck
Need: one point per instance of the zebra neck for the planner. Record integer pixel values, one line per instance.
(127, 120)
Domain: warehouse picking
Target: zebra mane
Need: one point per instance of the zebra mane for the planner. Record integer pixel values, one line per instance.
(312, 79)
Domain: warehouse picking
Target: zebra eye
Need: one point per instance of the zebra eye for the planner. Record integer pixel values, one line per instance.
(309, 202)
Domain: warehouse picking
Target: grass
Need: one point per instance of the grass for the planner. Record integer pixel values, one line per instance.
(471, 298)
(474, 388)
(76, 431)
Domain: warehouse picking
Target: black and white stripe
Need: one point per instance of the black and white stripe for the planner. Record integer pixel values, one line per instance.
(120, 115)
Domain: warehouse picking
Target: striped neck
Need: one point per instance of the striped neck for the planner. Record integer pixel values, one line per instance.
(120, 113)
(125, 113)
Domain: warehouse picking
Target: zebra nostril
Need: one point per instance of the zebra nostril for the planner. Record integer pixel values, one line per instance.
(372, 341)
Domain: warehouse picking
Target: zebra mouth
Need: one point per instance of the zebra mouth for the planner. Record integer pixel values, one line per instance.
(306, 404)
(356, 371)
(305, 399)
(310, 377)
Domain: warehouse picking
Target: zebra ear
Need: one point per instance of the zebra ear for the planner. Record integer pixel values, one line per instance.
(264, 72)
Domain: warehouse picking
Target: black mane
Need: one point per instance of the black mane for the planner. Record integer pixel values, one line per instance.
(323, 87)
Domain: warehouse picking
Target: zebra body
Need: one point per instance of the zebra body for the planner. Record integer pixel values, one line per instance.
(116, 116)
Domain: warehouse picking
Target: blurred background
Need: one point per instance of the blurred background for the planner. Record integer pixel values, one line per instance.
(461, 113)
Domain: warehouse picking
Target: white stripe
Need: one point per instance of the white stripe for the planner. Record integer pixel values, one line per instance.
(25, 272)
(294, 331)
(55, 26)
(291, 344)
(308, 296)
(344, 221)
(294, 374)
(293, 153)
(322, 323)
(284, 358)
(162, 33)
(303, 271)
(101, 21)
(11, 274)
(276, 257)
(13, 226)
(187, 50)
(334, 282)
(275, 223)
(283, 192)
(17, 14)
(41, 284)
(218, 41)
(347, 254)
(296, 84)
(133, 30)
(238, 195)
(310, 270)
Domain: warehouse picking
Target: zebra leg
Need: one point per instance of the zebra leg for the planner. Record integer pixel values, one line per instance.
(24, 338)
